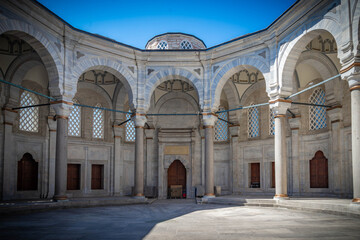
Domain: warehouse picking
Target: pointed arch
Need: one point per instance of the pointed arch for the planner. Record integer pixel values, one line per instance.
(105, 64)
(290, 49)
(49, 54)
(170, 74)
(222, 75)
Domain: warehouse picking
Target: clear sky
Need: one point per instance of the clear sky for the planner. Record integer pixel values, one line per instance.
(135, 22)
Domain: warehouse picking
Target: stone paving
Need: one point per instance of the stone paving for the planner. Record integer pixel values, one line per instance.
(178, 219)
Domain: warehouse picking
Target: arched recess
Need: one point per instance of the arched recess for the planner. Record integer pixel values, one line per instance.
(230, 69)
(192, 120)
(98, 90)
(49, 54)
(16, 73)
(119, 100)
(326, 68)
(171, 74)
(291, 48)
(107, 65)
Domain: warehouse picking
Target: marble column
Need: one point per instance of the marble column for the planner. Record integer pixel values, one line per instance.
(209, 122)
(355, 138)
(280, 107)
(353, 78)
(62, 109)
(139, 155)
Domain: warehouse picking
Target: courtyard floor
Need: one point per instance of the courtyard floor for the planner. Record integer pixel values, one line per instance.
(178, 219)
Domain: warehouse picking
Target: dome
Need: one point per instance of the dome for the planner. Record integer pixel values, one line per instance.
(175, 41)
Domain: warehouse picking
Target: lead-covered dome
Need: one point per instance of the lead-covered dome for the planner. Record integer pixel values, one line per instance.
(175, 41)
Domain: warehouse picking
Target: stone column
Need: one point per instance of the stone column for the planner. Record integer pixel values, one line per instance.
(234, 148)
(280, 107)
(139, 155)
(209, 121)
(353, 77)
(62, 109)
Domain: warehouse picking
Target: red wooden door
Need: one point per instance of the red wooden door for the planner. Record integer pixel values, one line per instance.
(255, 175)
(27, 178)
(73, 177)
(319, 171)
(177, 174)
(97, 176)
(273, 174)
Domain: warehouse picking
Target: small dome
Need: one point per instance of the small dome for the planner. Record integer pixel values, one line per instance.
(177, 41)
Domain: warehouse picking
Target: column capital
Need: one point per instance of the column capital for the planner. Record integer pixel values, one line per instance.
(139, 119)
(280, 106)
(209, 119)
(62, 108)
(352, 75)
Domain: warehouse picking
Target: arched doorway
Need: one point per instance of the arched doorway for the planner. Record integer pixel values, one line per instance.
(176, 180)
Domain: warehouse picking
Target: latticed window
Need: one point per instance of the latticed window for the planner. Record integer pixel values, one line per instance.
(29, 117)
(162, 45)
(221, 127)
(185, 45)
(271, 122)
(74, 126)
(129, 129)
(253, 122)
(317, 115)
(98, 122)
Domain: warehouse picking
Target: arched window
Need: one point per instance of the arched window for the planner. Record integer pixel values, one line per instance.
(27, 178)
(129, 129)
(162, 45)
(29, 117)
(185, 45)
(317, 115)
(253, 122)
(74, 127)
(319, 171)
(271, 122)
(221, 127)
(98, 122)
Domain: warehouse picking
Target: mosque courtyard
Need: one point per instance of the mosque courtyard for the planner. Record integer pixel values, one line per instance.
(178, 219)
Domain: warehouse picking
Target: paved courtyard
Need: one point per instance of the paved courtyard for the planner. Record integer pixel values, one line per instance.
(178, 219)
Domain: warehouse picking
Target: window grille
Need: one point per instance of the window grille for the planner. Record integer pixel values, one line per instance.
(29, 117)
(98, 122)
(317, 115)
(129, 129)
(221, 127)
(162, 45)
(185, 45)
(253, 122)
(271, 122)
(74, 125)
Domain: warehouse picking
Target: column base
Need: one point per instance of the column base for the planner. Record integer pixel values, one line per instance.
(209, 195)
(60, 198)
(139, 196)
(281, 197)
(356, 200)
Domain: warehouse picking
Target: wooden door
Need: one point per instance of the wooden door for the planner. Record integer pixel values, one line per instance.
(319, 171)
(177, 174)
(27, 178)
(255, 175)
(273, 174)
(97, 176)
(73, 177)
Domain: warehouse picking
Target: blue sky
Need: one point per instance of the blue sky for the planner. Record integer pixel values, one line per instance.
(135, 22)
